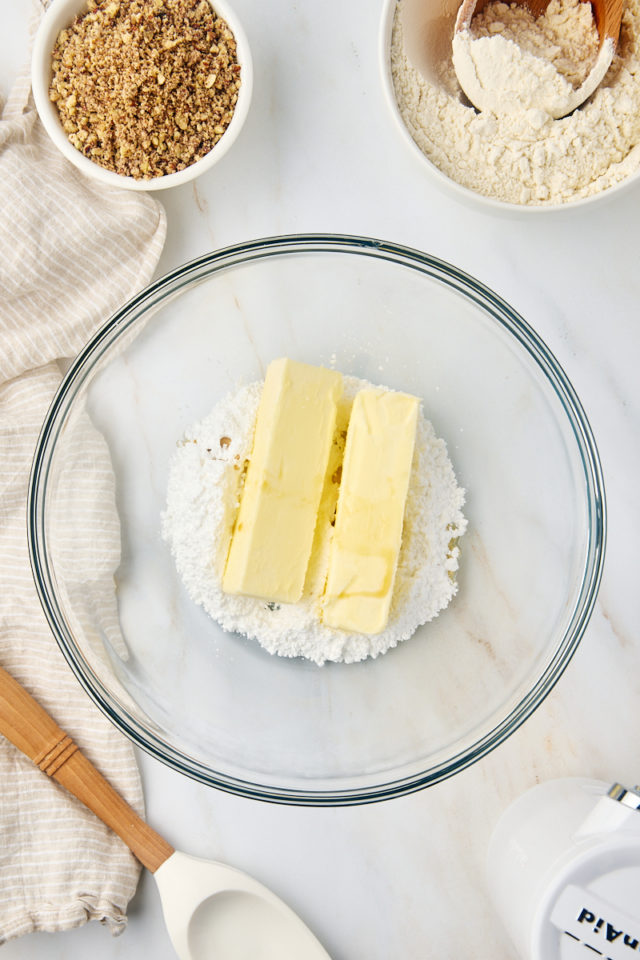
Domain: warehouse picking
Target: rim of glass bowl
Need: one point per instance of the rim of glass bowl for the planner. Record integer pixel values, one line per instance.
(206, 266)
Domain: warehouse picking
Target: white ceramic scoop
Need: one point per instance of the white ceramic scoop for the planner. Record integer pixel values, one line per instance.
(212, 911)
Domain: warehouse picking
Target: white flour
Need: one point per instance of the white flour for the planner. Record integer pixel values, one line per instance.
(527, 157)
(564, 36)
(497, 75)
(202, 498)
(511, 61)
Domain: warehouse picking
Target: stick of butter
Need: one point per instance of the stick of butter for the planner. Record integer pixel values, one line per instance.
(273, 535)
(370, 513)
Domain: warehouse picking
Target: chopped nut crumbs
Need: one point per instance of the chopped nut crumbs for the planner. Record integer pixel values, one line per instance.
(145, 87)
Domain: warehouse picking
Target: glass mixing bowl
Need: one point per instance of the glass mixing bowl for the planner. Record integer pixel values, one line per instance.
(215, 705)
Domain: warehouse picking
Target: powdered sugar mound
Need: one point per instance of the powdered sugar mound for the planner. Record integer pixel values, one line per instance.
(202, 497)
(203, 490)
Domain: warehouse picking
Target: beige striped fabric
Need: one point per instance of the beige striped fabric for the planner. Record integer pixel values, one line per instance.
(70, 254)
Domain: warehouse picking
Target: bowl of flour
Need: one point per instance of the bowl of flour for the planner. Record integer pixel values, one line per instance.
(503, 539)
(520, 159)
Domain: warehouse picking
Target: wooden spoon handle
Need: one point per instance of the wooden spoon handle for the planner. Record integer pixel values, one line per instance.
(27, 725)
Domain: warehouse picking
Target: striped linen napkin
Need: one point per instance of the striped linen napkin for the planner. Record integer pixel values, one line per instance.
(71, 252)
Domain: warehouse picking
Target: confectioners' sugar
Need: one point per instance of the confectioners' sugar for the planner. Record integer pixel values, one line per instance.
(527, 157)
(202, 497)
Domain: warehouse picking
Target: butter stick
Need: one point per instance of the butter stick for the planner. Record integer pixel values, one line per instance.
(273, 534)
(370, 513)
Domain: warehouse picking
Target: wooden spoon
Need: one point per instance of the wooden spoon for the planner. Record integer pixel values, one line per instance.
(211, 910)
(607, 15)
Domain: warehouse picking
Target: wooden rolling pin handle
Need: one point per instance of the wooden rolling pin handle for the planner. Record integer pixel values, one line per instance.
(27, 725)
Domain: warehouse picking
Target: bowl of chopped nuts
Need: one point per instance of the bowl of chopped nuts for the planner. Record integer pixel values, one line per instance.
(142, 94)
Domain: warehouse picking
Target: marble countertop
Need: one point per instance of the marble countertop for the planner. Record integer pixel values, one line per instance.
(320, 152)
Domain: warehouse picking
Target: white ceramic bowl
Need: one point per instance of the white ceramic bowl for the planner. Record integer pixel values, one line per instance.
(489, 204)
(59, 15)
